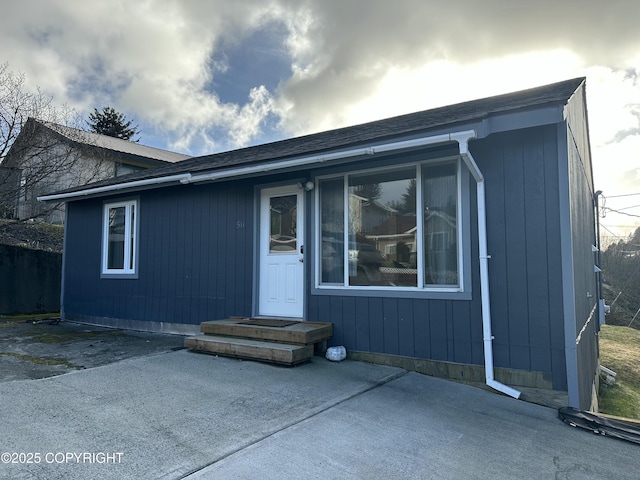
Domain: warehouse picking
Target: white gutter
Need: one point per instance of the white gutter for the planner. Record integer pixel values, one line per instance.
(186, 178)
(114, 188)
(319, 158)
(463, 139)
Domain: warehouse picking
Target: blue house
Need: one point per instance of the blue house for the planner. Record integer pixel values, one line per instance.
(454, 241)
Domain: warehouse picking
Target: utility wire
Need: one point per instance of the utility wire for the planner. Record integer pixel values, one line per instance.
(627, 208)
(607, 209)
(624, 195)
(613, 234)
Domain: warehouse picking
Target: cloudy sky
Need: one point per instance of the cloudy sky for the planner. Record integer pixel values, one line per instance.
(202, 76)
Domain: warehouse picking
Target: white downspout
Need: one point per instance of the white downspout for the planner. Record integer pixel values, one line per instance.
(484, 266)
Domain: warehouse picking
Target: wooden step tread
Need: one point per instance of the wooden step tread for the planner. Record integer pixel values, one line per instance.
(296, 332)
(246, 348)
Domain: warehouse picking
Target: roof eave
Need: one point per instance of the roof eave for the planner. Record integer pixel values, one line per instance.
(115, 188)
(302, 151)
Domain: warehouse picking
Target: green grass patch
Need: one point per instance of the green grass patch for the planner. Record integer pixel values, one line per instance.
(620, 351)
(41, 361)
(620, 400)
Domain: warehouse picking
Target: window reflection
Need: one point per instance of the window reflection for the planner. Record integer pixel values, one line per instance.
(115, 253)
(382, 229)
(381, 246)
(440, 225)
(283, 224)
(332, 226)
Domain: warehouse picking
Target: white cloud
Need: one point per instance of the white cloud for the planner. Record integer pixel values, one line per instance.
(412, 88)
(351, 62)
(351, 46)
(149, 59)
(613, 100)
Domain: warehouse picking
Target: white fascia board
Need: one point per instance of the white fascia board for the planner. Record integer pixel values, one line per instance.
(114, 188)
(328, 157)
(186, 178)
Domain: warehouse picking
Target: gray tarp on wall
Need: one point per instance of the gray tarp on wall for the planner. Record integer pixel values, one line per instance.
(29, 280)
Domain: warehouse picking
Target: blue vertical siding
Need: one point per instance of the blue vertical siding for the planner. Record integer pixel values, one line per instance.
(82, 259)
(523, 236)
(406, 334)
(516, 255)
(521, 175)
(195, 257)
(362, 324)
(581, 191)
(196, 263)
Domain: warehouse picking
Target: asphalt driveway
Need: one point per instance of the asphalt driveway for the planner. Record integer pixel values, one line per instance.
(44, 347)
(179, 414)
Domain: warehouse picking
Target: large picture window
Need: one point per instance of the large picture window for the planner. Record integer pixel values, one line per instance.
(391, 229)
(119, 242)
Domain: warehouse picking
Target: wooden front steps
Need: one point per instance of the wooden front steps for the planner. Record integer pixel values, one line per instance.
(275, 340)
(281, 353)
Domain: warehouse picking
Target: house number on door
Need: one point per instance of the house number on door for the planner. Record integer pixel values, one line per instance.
(240, 224)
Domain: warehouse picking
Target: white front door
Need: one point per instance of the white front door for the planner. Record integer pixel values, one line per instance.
(281, 273)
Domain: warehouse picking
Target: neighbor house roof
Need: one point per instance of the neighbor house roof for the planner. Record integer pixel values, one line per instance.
(114, 144)
(116, 149)
(364, 134)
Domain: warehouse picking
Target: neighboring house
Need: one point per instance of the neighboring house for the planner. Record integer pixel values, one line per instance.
(497, 257)
(47, 156)
(9, 191)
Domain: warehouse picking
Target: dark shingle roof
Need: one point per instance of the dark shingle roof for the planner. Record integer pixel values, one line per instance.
(362, 134)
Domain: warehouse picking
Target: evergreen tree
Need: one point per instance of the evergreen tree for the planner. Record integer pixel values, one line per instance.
(112, 123)
(370, 191)
(409, 198)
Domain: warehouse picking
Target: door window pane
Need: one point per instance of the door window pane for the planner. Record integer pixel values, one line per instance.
(440, 190)
(283, 224)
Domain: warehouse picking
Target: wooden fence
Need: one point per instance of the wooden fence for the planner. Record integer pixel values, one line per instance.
(29, 280)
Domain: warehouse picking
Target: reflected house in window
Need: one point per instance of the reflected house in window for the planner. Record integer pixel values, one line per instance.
(396, 239)
(462, 235)
(365, 258)
(440, 245)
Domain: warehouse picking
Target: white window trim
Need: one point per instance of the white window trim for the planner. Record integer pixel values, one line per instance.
(131, 229)
(345, 287)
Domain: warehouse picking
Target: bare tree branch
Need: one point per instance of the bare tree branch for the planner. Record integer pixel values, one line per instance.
(40, 152)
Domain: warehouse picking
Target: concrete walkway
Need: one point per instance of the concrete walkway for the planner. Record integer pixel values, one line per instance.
(185, 415)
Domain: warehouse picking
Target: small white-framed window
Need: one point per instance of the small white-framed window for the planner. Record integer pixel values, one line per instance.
(120, 238)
